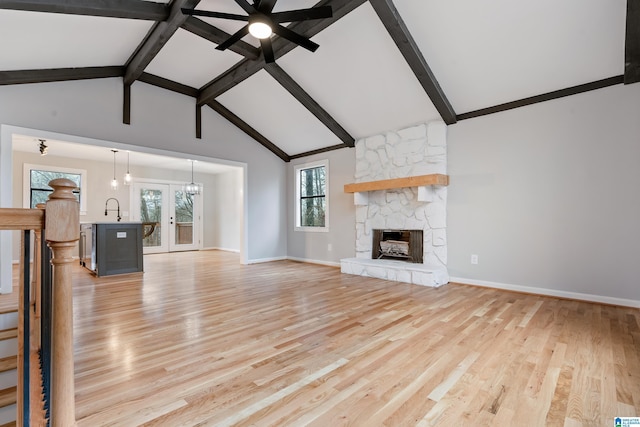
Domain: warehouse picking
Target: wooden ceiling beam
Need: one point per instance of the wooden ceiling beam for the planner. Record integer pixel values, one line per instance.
(556, 94)
(16, 77)
(128, 9)
(305, 99)
(217, 36)
(217, 107)
(243, 126)
(318, 151)
(247, 67)
(632, 43)
(156, 39)
(167, 84)
(401, 36)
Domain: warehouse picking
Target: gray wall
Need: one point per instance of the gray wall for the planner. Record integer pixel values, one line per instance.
(164, 120)
(342, 229)
(224, 211)
(548, 195)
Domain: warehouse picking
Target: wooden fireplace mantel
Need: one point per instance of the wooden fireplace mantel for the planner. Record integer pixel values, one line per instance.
(387, 184)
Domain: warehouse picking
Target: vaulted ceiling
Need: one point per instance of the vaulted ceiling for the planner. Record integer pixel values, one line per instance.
(382, 64)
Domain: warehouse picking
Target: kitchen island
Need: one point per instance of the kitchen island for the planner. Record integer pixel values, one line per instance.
(108, 248)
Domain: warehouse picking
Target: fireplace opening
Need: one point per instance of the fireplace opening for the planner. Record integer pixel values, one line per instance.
(404, 245)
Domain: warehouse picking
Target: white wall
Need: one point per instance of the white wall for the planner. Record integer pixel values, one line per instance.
(162, 120)
(314, 246)
(548, 196)
(223, 211)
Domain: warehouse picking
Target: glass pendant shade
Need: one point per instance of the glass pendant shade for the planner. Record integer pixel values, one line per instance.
(114, 181)
(127, 176)
(191, 188)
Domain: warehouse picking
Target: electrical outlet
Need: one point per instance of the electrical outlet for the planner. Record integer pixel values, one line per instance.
(474, 259)
(329, 247)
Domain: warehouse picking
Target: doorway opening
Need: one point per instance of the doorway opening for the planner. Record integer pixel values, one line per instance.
(16, 144)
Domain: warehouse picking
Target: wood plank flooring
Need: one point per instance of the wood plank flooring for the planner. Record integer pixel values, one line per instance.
(200, 340)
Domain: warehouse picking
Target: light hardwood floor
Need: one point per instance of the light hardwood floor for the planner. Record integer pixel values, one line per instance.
(200, 340)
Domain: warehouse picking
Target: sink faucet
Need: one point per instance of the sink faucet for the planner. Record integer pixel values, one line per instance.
(107, 210)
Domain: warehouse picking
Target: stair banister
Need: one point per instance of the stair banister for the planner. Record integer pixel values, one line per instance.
(62, 219)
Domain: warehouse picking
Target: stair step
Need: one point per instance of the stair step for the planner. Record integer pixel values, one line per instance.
(8, 309)
(10, 424)
(8, 396)
(8, 363)
(8, 334)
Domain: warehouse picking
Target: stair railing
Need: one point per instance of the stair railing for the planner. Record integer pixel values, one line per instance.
(45, 313)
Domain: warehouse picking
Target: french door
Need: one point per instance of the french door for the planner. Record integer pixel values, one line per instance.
(170, 217)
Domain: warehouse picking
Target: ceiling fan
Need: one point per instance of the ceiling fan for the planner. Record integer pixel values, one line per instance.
(262, 22)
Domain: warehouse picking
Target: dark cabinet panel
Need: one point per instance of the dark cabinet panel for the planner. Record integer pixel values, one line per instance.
(117, 248)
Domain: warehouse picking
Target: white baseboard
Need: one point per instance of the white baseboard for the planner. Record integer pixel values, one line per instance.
(315, 261)
(548, 292)
(261, 260)
(237, 251)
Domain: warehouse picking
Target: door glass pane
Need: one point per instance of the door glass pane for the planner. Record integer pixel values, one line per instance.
(151, 216)
(184, 218)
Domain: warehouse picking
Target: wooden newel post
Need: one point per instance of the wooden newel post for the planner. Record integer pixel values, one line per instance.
(62, 225)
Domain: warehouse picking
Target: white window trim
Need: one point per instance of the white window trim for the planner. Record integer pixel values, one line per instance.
(26, 183)
(310, 165)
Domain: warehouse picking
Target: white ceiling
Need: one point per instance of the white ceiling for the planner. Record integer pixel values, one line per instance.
(56, 148)
(495, 51)
(481, 53)
(32, 40)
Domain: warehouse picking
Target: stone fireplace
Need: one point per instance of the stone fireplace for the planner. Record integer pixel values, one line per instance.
(415, 159)
(404, 245)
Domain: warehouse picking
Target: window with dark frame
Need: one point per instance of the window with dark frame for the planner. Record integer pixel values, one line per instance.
(39, 184)
(312, 197)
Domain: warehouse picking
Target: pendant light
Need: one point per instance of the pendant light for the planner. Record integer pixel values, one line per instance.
(191, 188)
(127, 176)
(114, 181)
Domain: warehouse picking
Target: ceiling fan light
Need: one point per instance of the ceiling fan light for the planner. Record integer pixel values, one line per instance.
(260, 30)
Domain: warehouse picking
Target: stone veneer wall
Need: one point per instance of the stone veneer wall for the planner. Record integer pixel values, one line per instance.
(418, 150)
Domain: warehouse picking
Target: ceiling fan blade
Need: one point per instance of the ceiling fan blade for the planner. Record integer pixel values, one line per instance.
(302, 14)
(211, 14)
(295, 37)
(265, 6)
(246, 6)
(267, 50)
(234, 38)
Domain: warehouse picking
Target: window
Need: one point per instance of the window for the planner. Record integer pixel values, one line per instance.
(312, 201)
(36, 184)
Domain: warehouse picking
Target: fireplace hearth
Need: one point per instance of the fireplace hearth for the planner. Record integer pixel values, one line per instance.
(405, 245)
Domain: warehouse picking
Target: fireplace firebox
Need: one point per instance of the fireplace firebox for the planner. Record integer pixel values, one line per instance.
(404, 245)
